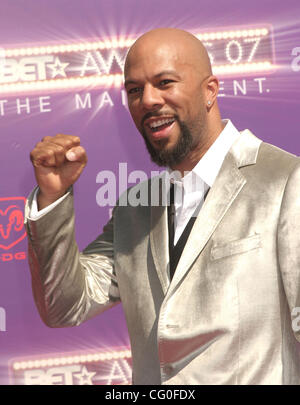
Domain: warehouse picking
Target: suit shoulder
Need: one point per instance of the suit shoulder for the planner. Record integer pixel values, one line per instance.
(272, 166)
(276, 159)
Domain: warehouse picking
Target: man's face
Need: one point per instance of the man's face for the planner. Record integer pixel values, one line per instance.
(165, 99)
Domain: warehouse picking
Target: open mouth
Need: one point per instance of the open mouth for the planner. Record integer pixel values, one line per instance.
(160, 124)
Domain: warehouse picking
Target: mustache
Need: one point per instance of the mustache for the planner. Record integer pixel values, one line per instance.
(156, 114)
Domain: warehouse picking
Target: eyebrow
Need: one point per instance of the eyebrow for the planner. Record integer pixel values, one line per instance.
(164, 72)
(167, 72)
(127, 82)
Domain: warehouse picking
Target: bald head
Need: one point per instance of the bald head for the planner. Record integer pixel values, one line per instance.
(172, 96)
(183, 46)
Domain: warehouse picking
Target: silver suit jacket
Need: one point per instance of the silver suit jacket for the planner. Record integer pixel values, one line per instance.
(225, 318)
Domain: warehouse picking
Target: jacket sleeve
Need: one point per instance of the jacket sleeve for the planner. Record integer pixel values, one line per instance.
(69, 287)
(288, 238)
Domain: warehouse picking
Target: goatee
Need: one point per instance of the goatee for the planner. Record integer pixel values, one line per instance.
(174, 156)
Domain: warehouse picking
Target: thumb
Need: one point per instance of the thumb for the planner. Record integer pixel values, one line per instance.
(76, 154)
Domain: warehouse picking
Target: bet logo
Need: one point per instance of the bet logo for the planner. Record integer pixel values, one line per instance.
(12, 229)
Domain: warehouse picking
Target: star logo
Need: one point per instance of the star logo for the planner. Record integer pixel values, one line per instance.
(58, 68)
(85, 378)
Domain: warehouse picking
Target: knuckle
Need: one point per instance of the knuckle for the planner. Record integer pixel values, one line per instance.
(60, 148)
(63, 136)
(74, 140)
(50, 153)
(34, 153)
(47, 139)
(68, 143)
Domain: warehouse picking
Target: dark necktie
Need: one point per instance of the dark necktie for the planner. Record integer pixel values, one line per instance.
(175, 251)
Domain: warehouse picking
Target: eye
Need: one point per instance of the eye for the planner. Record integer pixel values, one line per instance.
(134, 90)
(165, 82)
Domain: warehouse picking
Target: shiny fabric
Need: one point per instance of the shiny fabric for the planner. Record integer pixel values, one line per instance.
(225, 318)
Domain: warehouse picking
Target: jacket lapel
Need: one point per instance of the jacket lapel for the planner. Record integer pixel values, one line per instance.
(159, 239)
(224, 191)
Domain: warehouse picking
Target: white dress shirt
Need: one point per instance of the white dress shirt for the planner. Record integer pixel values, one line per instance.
(190, 190)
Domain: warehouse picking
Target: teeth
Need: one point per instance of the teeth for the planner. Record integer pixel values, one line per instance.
(159, 123)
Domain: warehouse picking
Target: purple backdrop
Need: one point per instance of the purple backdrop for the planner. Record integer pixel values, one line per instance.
(266, 102)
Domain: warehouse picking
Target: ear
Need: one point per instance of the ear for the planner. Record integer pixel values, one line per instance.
(211, 91)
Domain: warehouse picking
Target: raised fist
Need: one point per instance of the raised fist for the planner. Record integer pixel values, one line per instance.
(58, 162)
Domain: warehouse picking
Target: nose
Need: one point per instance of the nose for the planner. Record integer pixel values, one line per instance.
(151, 98)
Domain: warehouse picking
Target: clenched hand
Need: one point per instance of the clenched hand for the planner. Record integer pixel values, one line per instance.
(58, 162)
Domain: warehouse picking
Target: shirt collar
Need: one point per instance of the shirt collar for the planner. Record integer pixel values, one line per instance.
(209, 165)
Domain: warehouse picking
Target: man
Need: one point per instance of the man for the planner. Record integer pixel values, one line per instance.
(205, 303)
